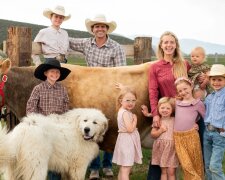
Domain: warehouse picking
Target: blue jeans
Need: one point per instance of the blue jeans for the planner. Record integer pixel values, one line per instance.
(106, 163)
(53, 175)
(214, 148)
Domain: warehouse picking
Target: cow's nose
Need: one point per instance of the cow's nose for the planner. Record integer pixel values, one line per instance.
(86, 129)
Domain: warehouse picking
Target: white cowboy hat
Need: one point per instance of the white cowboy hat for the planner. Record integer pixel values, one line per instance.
(60, 10)
(100, 19)
(217, 70)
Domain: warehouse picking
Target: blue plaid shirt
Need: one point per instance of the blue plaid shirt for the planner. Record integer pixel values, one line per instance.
(215, 109)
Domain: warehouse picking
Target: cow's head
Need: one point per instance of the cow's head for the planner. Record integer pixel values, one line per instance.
(5, 65)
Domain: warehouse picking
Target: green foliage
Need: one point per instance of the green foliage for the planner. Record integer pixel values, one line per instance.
(5, 24)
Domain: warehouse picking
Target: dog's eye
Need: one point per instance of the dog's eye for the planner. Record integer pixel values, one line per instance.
(85, 120)
(95, 122)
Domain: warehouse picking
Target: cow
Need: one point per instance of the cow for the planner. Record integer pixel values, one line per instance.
(88, 87)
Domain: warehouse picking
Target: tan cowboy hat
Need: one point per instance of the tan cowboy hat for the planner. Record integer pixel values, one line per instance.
(100, 19)
(217, 70)
(60, 10)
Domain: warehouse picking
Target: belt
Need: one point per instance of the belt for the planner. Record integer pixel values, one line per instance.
(61, 58)
(214, 129)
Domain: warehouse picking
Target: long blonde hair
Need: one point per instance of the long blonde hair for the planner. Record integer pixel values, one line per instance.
(179, 67)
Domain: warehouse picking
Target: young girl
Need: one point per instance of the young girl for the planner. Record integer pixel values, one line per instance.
(163, 152)
(128, 146)
(186, 137)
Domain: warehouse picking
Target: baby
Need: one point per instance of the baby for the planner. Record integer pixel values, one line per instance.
(199, 69)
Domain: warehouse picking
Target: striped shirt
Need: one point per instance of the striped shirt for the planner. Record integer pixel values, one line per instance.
(54, 42)
(48, 99)
(161, 83)
(215, 109)
(111, 54)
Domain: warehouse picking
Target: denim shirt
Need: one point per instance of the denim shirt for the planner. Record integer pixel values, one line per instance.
(215, 109)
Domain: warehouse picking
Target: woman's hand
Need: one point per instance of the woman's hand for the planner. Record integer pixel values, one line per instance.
(145, 111)
(156, 121)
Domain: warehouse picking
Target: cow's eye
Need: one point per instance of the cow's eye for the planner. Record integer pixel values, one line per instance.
(95, 122)
(85, 120)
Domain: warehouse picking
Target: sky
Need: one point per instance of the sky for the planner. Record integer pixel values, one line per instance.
(202, 20)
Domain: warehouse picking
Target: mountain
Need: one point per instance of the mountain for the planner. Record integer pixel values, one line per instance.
(188, 44)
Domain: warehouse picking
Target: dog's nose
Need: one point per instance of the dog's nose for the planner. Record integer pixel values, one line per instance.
(86, 129)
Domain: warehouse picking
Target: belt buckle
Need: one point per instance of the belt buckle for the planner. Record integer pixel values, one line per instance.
(60, 58)
(211, 128)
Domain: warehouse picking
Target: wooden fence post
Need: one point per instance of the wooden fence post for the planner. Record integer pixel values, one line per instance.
(142, 49)
(19, 46)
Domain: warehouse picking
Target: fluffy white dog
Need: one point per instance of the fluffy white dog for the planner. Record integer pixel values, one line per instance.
(64, 143)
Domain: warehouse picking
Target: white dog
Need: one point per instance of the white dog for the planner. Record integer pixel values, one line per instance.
(64, 143)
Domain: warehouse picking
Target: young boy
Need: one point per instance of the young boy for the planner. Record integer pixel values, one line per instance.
(54, 40)
(49, 96)
(199, 68)
(214, 135)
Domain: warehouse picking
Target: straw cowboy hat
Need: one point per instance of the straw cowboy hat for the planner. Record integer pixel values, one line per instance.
(60, 10)
(100, 19)
(217, 70)
(50, 64)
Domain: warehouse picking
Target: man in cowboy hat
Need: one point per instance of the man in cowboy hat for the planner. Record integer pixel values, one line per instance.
(49, 96)
(214, 134)
(54, 40)
(100, 50)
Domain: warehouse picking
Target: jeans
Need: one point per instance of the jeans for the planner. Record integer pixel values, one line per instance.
(64, 61)
(106, 163)
(214, 148)
(53, 175)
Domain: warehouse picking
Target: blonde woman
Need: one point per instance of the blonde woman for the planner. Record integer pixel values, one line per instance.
(162, 75)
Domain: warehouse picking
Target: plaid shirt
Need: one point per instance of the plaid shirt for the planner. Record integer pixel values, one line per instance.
(109, 55)
(48, 99)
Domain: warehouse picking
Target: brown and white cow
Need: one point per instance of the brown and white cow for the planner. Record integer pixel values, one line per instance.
(92, 87)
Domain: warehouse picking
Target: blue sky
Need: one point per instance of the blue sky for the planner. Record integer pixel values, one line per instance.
(196, 19)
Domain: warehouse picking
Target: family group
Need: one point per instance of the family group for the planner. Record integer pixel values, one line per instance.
(187, 101)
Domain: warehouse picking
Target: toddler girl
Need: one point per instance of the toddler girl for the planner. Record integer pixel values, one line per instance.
(128, 146)
(163, 152)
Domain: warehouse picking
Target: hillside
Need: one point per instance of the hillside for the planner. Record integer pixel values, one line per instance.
(5, 24)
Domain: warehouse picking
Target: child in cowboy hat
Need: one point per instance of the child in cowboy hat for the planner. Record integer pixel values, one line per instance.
(54, 40)
(214, 135)
(49, 96)
(102, 51)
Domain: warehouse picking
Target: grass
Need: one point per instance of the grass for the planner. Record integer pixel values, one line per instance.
(140, 171)
(130, 61)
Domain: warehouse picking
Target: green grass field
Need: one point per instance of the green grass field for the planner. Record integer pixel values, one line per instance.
(130, 61)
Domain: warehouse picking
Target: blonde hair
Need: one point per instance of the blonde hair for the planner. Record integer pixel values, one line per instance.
(200, 50)
(179, 67)
(122, 93)
(169, 100)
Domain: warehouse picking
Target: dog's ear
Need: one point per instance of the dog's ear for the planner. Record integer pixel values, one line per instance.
(106, 126)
